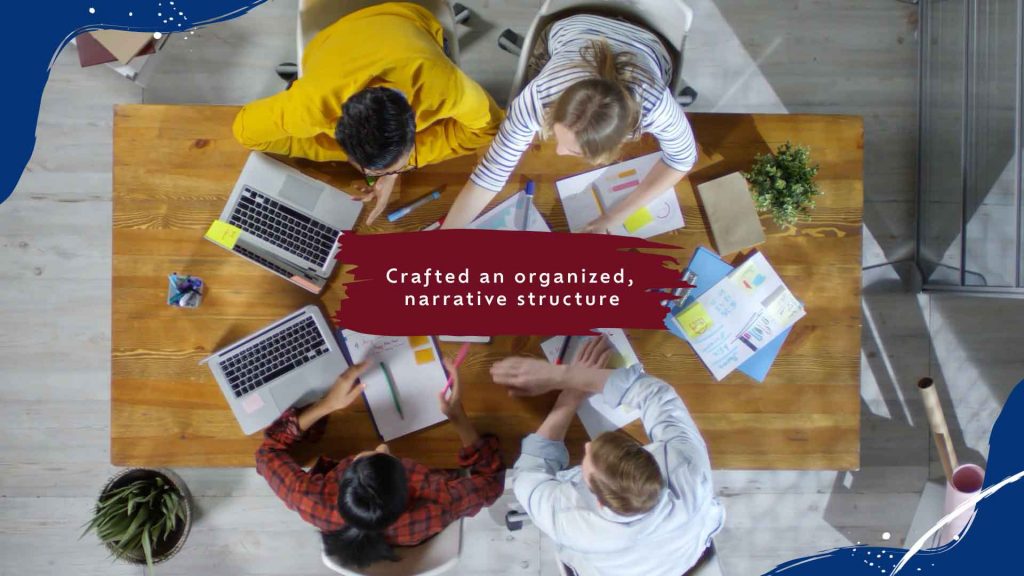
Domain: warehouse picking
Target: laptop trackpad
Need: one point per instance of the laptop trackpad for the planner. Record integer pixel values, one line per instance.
(301, 193)
(292, 395)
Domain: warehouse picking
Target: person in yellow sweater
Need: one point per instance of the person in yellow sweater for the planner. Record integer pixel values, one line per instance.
(378, 91)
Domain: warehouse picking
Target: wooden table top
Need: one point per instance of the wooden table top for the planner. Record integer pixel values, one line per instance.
(174, 167)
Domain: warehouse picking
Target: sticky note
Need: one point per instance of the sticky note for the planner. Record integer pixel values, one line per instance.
(638, 220)
(417, 341)
(627, 173)
(223, 233)
(252, 403)
(694, 320)
(425, 356)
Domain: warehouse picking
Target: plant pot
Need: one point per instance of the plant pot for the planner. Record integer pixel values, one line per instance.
(163, 549)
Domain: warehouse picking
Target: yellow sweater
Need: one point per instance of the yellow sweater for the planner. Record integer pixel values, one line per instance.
(394, 45)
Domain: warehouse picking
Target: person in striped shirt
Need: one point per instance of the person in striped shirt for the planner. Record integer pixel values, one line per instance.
(604, 82)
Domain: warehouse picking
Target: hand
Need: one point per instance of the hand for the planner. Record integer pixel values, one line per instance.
(451, 406)
(600, 225)
(527, 376)
(381, 190)
(594, 354)
(345, 389)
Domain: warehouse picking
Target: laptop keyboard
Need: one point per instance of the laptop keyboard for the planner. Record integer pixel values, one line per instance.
(261, 260)
(269, 359)
(289, 230)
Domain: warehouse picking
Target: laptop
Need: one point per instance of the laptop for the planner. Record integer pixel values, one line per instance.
(292, 362)
(290, 223)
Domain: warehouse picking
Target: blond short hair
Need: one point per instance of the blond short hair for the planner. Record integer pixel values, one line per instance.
(600, 111)
(626, 478)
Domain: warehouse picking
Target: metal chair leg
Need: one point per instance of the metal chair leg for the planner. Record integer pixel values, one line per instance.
(287, 71)
(687, 96)
(514, 520)
(462, 13)
(511, 42)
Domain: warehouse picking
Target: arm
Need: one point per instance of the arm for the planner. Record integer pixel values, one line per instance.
(485, 482)
(284, 475)
(491, 175)
(284, 124)
(677, 442)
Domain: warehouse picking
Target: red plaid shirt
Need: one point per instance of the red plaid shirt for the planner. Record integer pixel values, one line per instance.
(436, 497)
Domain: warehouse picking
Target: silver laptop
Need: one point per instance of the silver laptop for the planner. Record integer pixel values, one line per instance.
(292, 362)
(290, 222)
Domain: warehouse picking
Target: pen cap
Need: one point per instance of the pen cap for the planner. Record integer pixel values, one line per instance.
(529, 187)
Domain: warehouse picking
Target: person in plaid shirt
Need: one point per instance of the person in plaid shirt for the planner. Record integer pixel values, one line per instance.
(369, 502)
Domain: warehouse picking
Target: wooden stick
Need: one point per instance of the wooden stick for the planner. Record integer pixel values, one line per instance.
(937, 422)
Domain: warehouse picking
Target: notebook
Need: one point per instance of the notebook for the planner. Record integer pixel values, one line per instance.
(586, 196)
(709, 269)
(731, 213)
(413, 365)
(737, 317)
(595, 414)
(509, 216)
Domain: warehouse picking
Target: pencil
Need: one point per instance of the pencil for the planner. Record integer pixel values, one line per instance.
(458, 360)
(561, 353)
(597, 198)
(392, 389)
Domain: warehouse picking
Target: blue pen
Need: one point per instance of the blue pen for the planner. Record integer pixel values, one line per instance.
(529, 204)
(406, 209)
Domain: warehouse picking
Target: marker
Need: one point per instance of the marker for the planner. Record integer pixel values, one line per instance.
(529, 204)
(435, 225)
(391, 388)
(597, 198)
(416, 204)
(458, 360)
(561, 353)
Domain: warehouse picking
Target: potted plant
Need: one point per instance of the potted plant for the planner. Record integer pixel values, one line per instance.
(143, 516)
(783, 184)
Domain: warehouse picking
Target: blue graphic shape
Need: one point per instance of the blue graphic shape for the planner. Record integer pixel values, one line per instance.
(37, 31)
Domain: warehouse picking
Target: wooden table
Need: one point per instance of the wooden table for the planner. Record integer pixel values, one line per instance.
(175, 165)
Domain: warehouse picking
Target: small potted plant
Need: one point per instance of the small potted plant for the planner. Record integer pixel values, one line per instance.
(142, 516)
(783, 184)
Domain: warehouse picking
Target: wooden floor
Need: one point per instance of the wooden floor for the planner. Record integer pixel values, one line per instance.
(788, 55)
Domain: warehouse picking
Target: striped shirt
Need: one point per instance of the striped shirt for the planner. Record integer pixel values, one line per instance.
(660, 114)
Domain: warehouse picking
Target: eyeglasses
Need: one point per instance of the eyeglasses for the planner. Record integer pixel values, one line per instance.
(371, 178)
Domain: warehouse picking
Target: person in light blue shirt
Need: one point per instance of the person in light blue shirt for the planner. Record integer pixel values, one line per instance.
(628, 509)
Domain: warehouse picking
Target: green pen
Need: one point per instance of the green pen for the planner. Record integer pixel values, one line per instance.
(392, 389)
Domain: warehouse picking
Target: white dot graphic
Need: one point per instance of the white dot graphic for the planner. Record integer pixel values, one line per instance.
(129, 14)
(157, 35)
(92, 10)
(886, 535)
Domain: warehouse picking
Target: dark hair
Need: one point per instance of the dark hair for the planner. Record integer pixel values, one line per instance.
(377, 127)
(373, 494)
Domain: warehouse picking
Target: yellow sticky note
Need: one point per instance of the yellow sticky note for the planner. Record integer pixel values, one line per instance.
(638, 220)
(417, 341)
(425, 356)
(223, 233)
(694, 320)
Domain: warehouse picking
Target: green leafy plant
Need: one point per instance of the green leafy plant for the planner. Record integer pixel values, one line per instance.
(783, 184)
(132, 519)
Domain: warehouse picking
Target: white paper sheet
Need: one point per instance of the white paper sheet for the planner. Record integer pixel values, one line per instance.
(595, 414)
(738, 316)
(509, 216)
(417, 384)
(580, 195)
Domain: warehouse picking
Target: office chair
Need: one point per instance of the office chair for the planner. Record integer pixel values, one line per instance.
(431, 558)
(706, 566)
(315, 15)
(670, 20)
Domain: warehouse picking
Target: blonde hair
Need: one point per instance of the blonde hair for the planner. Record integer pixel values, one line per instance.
(602, 111)
(626, 478)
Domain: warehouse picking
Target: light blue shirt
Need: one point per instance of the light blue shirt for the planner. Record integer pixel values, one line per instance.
(593, 540)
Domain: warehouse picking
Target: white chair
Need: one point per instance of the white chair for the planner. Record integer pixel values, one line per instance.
(315, 15)
(706, 566)
(670, 20)
(431, 558)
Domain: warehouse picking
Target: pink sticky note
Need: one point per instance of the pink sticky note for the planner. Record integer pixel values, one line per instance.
(252, 403)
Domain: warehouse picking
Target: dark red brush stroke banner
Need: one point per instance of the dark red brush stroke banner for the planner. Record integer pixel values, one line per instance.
(377, 304)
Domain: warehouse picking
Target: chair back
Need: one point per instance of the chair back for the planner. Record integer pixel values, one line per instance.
(431, 558)
(670, 20)
(315, 15)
